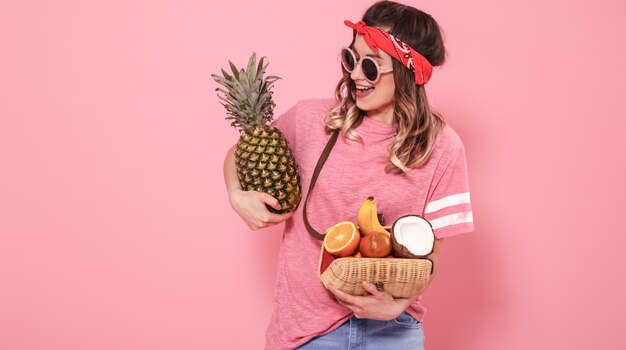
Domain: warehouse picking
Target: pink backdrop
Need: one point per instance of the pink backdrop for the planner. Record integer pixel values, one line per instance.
(115, 228)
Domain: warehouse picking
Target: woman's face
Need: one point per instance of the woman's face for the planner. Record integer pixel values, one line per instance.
(377, 100)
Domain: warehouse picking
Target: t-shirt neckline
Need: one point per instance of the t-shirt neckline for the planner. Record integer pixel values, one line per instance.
(371, 126)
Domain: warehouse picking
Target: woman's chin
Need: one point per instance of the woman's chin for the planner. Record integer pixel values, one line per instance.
(363, 105)
(367, 106)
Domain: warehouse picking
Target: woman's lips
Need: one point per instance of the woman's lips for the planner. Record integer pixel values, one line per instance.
(363, 93)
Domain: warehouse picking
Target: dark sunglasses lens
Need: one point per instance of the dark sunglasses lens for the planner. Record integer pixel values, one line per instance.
(347, 60)
(370, 71)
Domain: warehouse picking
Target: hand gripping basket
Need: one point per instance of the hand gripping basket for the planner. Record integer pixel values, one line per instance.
(402, 278)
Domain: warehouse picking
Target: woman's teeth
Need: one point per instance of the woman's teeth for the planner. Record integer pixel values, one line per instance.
(363, 91)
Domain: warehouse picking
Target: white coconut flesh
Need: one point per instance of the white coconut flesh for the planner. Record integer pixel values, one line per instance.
(415, 234)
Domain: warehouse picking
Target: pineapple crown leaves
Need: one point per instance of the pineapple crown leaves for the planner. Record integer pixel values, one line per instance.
(246, 95)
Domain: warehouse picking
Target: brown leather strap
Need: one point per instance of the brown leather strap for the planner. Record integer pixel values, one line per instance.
(316, 172)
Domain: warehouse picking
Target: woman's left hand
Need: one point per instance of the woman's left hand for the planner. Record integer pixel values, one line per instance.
(377, 306)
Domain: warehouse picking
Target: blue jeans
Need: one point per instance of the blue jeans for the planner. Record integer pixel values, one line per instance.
(401, 333)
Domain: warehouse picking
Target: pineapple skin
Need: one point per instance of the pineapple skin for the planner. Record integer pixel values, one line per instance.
(265, 164)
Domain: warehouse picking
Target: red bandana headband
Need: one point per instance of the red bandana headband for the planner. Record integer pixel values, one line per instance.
(377, 38)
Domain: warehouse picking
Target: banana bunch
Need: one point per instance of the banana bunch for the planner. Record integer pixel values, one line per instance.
(368, 218)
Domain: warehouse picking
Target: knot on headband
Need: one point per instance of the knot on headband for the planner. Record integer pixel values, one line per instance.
(379, 39)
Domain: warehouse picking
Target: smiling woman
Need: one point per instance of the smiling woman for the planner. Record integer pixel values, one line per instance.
(406, 156)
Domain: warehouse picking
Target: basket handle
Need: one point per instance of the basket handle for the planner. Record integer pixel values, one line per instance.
(316, 172)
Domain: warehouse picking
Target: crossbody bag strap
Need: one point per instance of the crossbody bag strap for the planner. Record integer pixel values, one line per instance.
(316, 172)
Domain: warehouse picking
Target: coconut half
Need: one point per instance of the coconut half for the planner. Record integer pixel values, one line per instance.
(412, 236)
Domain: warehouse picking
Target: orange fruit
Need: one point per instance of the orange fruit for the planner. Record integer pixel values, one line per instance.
(375, 245)
(342, 239)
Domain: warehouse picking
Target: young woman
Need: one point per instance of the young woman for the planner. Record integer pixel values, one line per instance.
(393, 147)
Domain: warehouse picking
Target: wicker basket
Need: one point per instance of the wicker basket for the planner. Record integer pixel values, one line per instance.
(402, 278)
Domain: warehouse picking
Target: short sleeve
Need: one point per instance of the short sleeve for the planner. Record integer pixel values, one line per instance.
(286, 123)
(449, 208)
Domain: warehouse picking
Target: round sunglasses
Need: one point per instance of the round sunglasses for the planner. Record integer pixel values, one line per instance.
(370, 68)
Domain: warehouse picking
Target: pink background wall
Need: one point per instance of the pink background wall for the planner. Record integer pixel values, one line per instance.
(115, 228)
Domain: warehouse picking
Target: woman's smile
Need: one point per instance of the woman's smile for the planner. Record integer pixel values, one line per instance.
(363, 91)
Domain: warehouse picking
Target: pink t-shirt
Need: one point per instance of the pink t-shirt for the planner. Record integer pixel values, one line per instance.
(439, 191)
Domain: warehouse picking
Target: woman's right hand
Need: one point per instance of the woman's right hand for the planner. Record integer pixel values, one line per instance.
(250, 205)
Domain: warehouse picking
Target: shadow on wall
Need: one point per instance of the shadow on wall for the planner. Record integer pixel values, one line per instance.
(263, 248)
(467, 293)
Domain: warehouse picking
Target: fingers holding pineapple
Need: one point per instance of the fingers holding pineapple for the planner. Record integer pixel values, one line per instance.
(252, 207)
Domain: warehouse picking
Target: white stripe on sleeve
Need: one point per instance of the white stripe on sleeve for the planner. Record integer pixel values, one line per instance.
(452, 219)
(459, 198)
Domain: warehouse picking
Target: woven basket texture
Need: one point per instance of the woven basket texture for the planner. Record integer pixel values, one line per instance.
(402, 278)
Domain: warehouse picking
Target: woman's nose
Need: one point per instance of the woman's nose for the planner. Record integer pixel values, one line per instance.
(357, 73)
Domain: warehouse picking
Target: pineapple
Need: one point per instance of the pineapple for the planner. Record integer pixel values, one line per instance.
(263, 158)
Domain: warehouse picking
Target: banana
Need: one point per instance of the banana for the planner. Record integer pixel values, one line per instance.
(368, 218)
